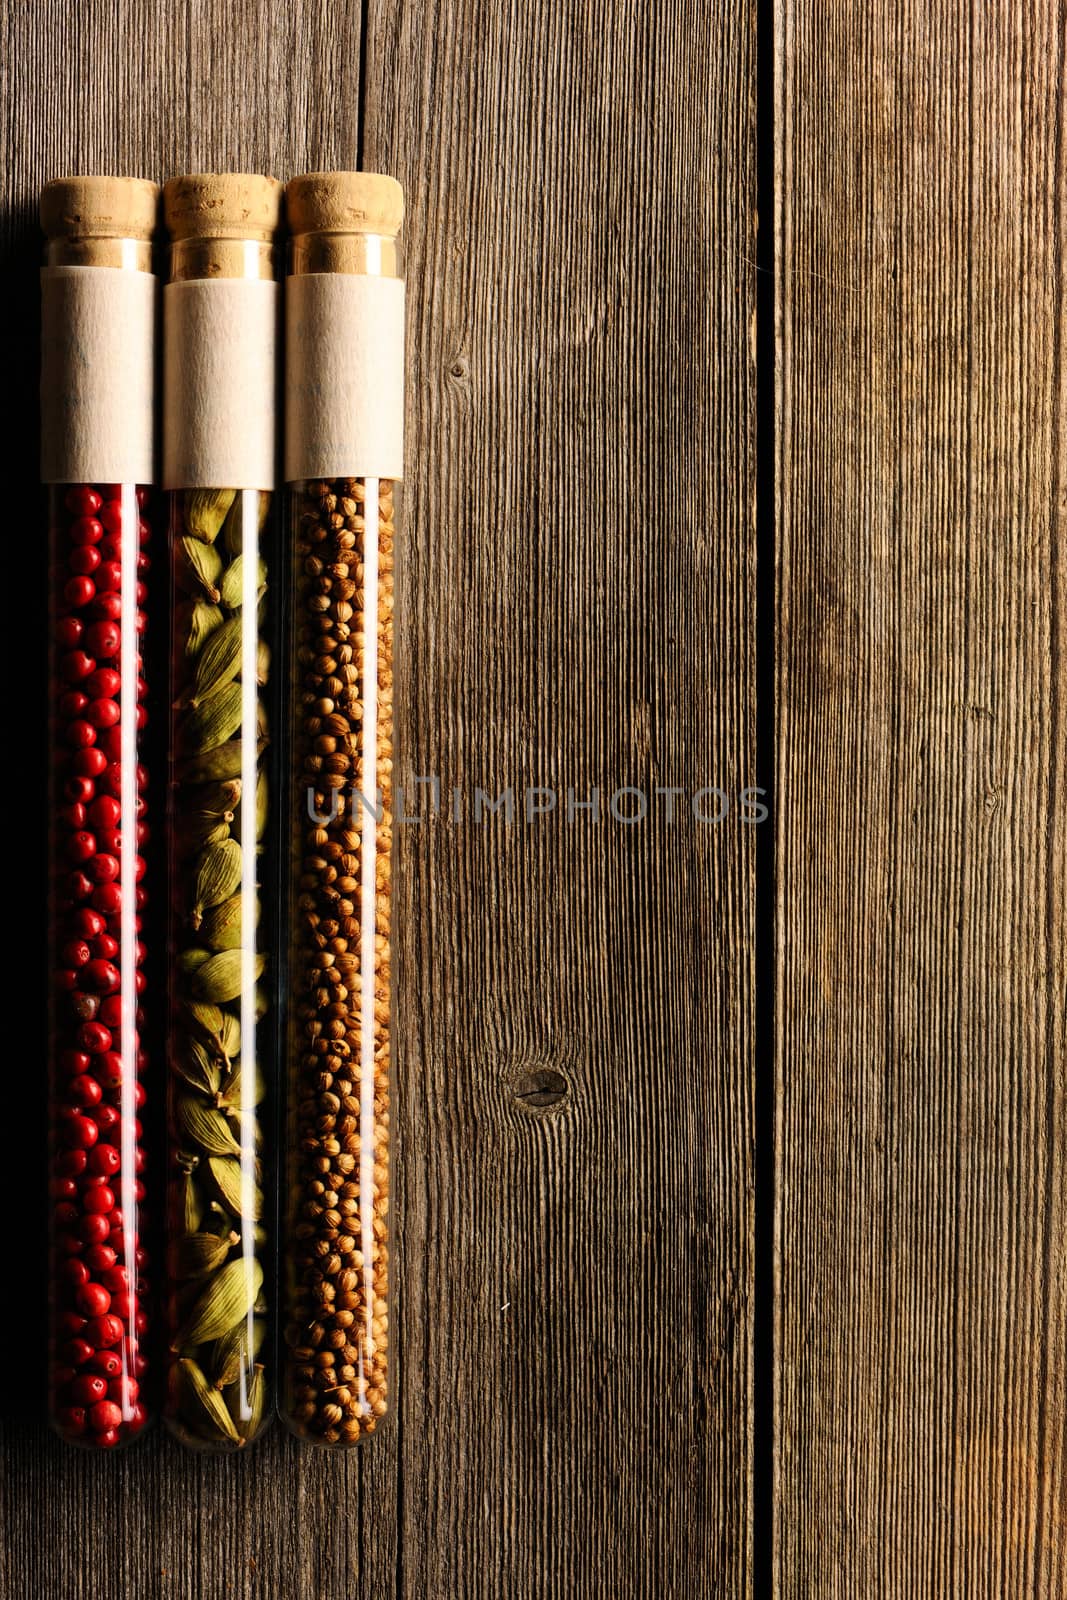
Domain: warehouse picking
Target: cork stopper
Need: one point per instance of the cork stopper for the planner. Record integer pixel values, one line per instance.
(222, 205)
(99, 208)
(345, 202)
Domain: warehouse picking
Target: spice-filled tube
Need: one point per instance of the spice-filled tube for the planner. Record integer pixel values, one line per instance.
(344, 457)
(220, 314)
(98, 301)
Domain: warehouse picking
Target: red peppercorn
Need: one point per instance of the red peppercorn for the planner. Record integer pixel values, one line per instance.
(110, 742)
(95, 1038)
(100, 1199)
(93, 1229)
(85, 1091)
(71, 1420)
(64, 1189)
(106, 608)
(111, 1011)
(93, 1299)
(122, 1305)
(103, 1331)
(105, 1417)
(103, 713)
(108, 1363)
(81, 1132)
(105, 813)
(103, 639)
(107, 1438)
(80, 734)
(104, 1160)
(89, 1389)
(76, 664)
(107, 898)
(107, 1118)
(104, 868)
(111, 841)
(76, 1352)
(69, 631)
(123, 1391)
(89, 763)
(65, 1213)
(103, 976)
(85, 531)
(82, 501)
(76, 953)
(78, 592)
(71, 1163)
(79, 789)
(83, 562)
(74, 1273)
(105, 947)
(72, 704)
(81, 846)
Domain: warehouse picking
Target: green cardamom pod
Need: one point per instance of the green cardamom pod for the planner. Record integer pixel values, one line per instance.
(262, 997)
(192, 833)
(200, 1253)
(228, 1039)
(201, 1406)
(227, 1177)
(262, 662)
(193, 1063)
(205, 512)
(194, 621)
(217, 800)
(199, 567)
(230, 1356)
(212, 721)
(262, 803)
(204, 1019)
(190, 1205)
(224, 761)
(187, 961)
(233, 528)
(248, 1413)
(247, 1129)
(222, 978)
(231, 584)
(217, 875)
(206, 1127)
(221, 927)
(219, 660)
(231, 1087)
(227, 1300)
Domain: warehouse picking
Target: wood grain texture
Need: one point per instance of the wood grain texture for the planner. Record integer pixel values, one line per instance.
(574, 1279)
(922, 829)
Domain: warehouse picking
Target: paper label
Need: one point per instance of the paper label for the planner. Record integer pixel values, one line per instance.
(219, 383)
(97, 375)
(344, 377)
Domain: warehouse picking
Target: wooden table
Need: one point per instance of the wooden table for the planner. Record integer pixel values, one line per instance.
(732, 1172)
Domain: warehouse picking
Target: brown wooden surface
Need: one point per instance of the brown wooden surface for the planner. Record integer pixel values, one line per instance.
(922, 802)
(575, 1278)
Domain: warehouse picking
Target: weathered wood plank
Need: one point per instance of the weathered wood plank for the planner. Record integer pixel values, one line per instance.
(921, 781)
(579, 610)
